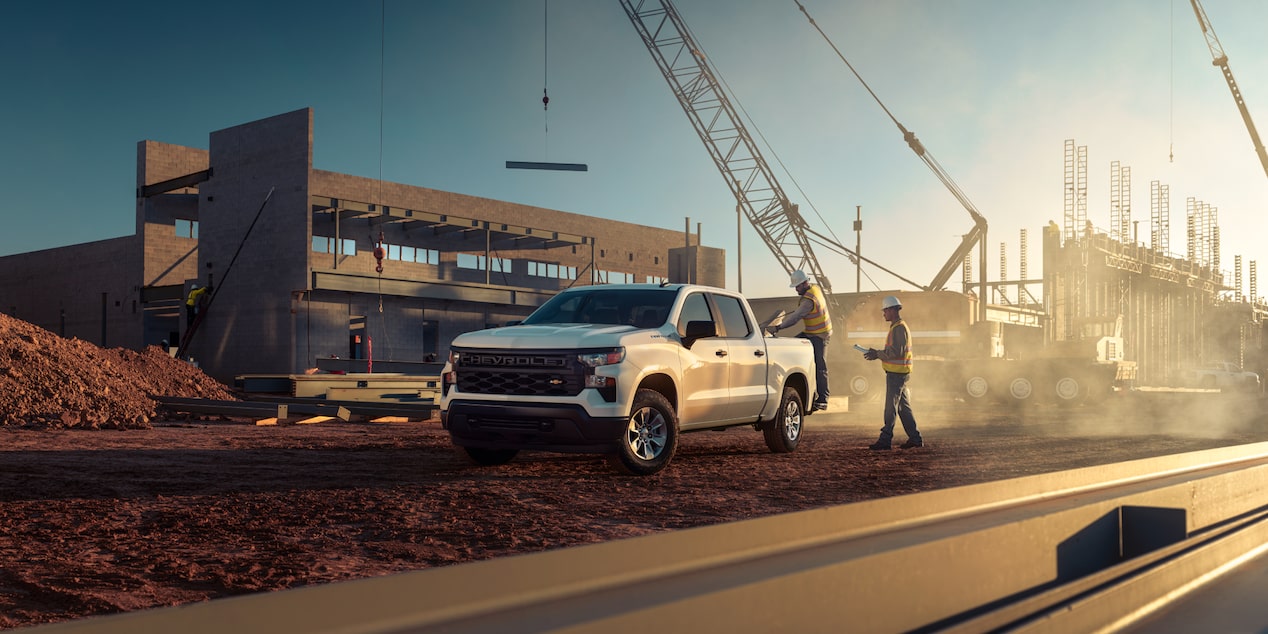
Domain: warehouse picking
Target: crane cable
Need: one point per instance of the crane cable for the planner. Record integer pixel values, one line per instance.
(546, 72)
(380, 249)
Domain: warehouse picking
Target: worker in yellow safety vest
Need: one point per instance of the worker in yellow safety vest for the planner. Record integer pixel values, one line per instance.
(192, 303)
(895, 358)
(812, 310)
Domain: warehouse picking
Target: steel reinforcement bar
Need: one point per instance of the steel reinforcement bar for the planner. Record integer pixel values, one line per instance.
(1076, 550)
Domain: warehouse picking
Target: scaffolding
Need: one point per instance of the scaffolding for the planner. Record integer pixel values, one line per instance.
(1160, 217)
(1075, 191)
(1121, 202)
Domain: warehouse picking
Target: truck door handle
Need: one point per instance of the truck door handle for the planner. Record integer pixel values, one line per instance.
(759, 353)
(721, 353)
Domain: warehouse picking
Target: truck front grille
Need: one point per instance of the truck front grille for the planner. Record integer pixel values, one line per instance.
(521, 374)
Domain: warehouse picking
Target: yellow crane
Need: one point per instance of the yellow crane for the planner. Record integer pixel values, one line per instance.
(1220, 59)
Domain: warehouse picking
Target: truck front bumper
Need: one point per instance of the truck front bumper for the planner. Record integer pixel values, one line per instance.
(544, 427)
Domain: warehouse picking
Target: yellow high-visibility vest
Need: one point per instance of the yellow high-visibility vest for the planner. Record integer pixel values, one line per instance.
(901, 365)
(817, 321)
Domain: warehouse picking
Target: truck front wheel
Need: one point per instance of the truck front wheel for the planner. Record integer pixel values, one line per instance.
(651, 435)
(784, 433)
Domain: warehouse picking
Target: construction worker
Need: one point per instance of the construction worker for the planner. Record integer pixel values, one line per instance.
(895, 358)
(193, 303)
(812, 310)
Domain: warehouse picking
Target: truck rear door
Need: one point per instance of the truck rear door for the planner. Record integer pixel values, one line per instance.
(747, 371)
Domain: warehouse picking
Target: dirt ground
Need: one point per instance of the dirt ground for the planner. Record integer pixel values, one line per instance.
(98, 521)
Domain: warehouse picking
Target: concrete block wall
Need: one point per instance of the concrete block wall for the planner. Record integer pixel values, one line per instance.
(249, 328)
(168, 259)
(88, 291)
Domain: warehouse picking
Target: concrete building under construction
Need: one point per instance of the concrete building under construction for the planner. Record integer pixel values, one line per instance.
(309, 265)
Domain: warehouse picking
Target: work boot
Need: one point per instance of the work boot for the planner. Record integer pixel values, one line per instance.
(819, 407)
(912, 444)
(879, 446)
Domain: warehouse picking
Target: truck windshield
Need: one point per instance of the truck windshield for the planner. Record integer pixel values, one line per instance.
(640, 308)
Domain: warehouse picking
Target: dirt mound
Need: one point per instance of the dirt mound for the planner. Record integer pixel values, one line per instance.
(48, 381)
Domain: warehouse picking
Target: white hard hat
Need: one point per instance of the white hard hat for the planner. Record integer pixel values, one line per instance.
(193, 286)
(798, 278)
(891, 302)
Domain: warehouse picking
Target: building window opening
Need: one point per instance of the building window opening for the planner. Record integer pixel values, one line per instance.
(479, 262)
(412, 254)
(552, 270)
(186, 228)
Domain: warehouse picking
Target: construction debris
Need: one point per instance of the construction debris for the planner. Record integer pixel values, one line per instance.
(50, 381)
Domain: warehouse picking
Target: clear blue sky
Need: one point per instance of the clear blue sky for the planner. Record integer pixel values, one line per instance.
(992, 88)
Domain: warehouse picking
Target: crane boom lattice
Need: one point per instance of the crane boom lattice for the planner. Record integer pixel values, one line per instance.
(1220, 59)
(685, 66)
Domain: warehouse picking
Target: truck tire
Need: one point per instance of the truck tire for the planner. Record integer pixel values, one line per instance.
(490, 457)
(1069, 390)
(1020, 389)
(977, 389)
(860, 386)
(784, 433)
(650, 438)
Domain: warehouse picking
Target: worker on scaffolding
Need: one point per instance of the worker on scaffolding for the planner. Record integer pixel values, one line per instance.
(812, 310)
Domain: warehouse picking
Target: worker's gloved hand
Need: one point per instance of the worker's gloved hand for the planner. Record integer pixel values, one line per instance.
(871, 354)
(772, 329)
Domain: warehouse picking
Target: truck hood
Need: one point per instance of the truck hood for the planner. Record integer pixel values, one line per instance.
(553, 336)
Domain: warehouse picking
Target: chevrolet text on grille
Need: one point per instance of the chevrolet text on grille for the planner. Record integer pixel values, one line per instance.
(517, 360)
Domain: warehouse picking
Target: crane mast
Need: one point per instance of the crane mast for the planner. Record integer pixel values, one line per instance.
(1220, 59)
(684, 65)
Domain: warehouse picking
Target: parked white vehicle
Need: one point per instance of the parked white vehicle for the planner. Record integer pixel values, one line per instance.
(622, 370)
(1227, 377)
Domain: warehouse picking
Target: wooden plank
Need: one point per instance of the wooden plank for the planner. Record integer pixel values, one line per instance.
(314, 420)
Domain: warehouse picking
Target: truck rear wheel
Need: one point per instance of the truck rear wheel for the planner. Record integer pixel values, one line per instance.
(784, 433)
(490, 457)
(651, 435)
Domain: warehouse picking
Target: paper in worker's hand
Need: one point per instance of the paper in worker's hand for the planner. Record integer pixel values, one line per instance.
(860, 348)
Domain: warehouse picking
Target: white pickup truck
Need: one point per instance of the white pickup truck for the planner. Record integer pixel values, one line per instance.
(622, 370)
(1227, 377)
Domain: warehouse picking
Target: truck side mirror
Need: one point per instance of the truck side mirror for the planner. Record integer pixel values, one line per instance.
(699, 330)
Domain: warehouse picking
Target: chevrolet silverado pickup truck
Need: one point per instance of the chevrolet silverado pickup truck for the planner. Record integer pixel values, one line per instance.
(622, 370)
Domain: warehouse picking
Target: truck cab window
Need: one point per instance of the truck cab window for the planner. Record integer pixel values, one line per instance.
(735, 324)
(694, 308)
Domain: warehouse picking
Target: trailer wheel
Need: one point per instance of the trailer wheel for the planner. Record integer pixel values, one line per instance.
(976, 389)
(650, 438)
(1069, 391)
(784, 433)
(1020, 388)
(860, 386)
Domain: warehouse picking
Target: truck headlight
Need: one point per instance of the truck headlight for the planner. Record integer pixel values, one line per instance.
(596, 359)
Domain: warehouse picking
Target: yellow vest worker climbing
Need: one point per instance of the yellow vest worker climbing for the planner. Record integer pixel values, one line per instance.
(812, 310)
(191, 304)
(895, 358)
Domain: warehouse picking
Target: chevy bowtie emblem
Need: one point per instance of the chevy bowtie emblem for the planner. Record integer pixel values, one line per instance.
(556, 381)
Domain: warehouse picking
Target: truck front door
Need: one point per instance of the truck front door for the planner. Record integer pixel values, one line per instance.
(705, 391)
